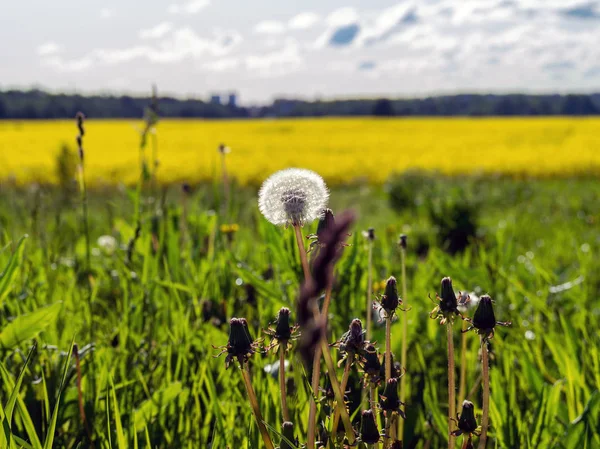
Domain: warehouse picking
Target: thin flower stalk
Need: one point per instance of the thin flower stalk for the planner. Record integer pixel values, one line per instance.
(224, 150)
(451, 384)
(255, 409)
(343, 385)
(370, 238)
(403, 357)
(485, 367)
(284, 408)
(388, 348)
(316, 375)
(463, 364)
(82, 186)
(339, 396)
(484, 322)
(302, 250)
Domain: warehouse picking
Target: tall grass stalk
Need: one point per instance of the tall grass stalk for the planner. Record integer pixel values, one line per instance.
(223, 150)
(284, 408)
(83, 188)
(485, 371)
(451, 384)
(255, 408)
(84, 421)
(369, 289)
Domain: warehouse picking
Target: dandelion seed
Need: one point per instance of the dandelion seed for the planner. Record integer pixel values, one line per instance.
(293, 197)
(107, 243)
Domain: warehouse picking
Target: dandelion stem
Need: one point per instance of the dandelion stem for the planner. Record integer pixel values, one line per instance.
(373, 403)
(369, 290)
(343, 384)
(255, 409)
(463, 365)
(404, 339)
(316, 375)
(388, 347)
(284, 407)
(451, 384)
(339, 395)
(485, 370)
(303, 258)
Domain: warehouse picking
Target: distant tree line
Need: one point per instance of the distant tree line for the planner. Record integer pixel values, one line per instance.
(37, 104)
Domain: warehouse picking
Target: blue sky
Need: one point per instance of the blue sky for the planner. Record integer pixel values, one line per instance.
(271, 48)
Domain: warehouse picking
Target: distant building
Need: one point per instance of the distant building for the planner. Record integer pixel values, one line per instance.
(219, 98)
(232, 99)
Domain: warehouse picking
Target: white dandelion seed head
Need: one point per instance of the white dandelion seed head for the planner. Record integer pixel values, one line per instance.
(107, 243)
(293, 196)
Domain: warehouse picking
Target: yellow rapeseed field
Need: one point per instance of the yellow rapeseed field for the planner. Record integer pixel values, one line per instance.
(342, 150)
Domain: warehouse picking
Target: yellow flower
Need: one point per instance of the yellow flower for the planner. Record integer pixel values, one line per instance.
(229, 228)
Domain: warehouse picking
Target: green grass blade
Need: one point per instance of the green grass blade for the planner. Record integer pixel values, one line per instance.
(49, 441)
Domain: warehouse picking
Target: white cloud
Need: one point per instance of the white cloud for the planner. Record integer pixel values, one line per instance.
(222, 65)
(181, 44)
(269, 27)
(74, 65)
(157, 31)
(190, 7)
(342, 16)
(48, 48)
(276, 63)
(303, 21)
(107, 13)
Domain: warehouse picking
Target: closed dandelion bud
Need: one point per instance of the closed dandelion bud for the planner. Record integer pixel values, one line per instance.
(287, 430)
(353, 340)
(371, 234)
(240, 342)
(484, 318)
(369, 433)
(283, 331)
(389, 399)
(326, 221)
(402, 241)
(448, 303)
(371, 363)
(390, 299)
(467, 422)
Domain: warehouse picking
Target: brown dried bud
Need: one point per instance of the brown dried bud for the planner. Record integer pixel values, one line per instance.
(402, 241)
(449, 302)
(467, 422)
(390, 300)
(287, 430)
(283, 331)
(369, 433)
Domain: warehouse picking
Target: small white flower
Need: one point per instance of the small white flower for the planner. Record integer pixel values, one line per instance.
(293, 196)
(107, 243)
